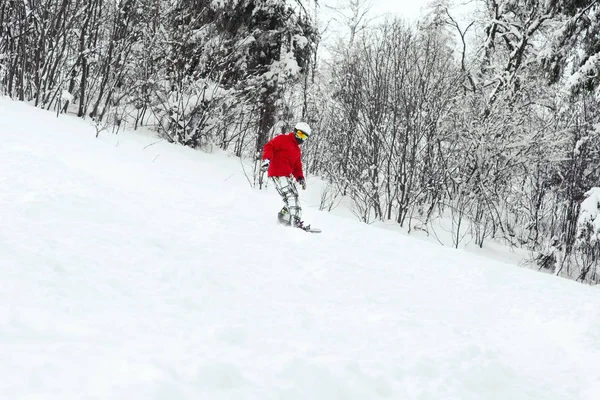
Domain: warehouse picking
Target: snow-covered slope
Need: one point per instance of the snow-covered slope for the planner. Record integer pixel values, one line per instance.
(138, 271)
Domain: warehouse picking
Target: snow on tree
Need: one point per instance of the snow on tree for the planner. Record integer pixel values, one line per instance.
(574, 48)
(254, 48)
(588, 223)
(588, 235)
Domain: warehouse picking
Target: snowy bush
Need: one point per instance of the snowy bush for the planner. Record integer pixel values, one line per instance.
(588, 235)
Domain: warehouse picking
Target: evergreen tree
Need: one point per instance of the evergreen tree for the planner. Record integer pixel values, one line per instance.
(254, 47)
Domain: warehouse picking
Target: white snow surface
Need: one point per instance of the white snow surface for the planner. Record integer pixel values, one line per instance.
(131, 271)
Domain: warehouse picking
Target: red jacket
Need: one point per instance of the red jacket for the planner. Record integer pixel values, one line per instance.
(285, 156)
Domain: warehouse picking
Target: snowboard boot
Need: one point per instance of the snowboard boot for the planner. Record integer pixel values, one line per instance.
(300, 224)
(283, 216)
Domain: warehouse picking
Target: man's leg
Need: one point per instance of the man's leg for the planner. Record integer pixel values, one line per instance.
(291, 212)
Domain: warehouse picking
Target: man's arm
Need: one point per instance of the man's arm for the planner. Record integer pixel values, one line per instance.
(298, 174)
(270, 147)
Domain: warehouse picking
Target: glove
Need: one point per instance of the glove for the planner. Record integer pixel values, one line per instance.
(302, 183)
(265, 165)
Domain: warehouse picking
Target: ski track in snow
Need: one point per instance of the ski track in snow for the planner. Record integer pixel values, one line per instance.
(134, 272)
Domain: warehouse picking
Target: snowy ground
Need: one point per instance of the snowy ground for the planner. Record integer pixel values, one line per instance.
(134, 272)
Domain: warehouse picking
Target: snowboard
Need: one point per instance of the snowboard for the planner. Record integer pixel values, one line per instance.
(312, 230)
(308, 229)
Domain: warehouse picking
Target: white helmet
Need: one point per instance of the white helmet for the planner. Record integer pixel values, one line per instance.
(302, 126)
(301, 132)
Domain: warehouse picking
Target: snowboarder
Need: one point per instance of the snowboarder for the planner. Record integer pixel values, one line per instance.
(283, 161)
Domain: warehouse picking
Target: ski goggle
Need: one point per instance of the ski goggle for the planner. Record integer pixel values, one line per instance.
(301, 135)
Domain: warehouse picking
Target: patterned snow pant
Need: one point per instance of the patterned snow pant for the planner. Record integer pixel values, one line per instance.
(291, 212)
